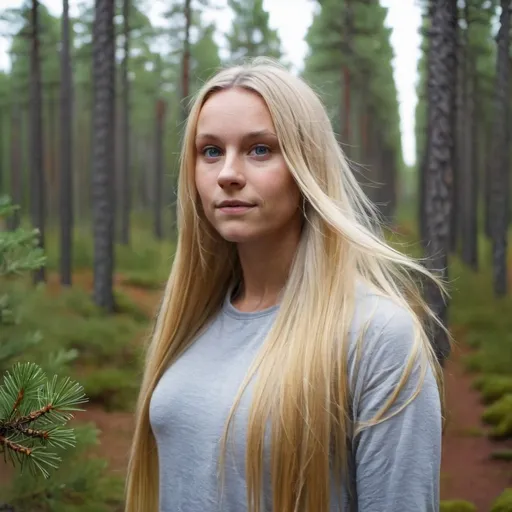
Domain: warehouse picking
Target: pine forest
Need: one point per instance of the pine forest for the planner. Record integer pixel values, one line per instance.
(94, 96)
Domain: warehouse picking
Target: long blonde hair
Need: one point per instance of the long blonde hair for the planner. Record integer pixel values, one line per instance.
(301, 384)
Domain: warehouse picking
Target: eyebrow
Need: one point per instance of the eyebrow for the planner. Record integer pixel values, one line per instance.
(247, 136)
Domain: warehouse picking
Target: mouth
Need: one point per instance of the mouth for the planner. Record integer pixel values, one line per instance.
(234, 207)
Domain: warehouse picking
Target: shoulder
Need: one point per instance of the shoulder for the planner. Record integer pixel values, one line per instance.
(381, 324)
(383, 343)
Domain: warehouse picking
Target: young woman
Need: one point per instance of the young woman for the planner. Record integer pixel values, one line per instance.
(289, 369)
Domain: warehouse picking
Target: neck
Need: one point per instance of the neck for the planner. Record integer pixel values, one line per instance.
(265, 269)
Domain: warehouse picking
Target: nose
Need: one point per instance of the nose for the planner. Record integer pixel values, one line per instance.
(231, 175)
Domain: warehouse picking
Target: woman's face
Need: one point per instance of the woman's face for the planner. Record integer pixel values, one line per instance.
(245, 187)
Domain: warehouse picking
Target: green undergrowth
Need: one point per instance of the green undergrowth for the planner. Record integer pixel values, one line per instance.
(108, 347)
(504, 502)
(486, 323)
(81, 484)
(505, 455)
(457, 506)
(145, 263)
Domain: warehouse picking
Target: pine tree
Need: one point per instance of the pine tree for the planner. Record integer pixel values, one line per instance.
(251, 35)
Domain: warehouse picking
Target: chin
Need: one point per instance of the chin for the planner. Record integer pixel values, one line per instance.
(237, 236)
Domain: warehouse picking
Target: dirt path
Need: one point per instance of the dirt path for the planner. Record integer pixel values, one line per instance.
(467, 470)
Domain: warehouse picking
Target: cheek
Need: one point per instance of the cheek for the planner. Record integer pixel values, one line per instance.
(203, 189)
(285, 194)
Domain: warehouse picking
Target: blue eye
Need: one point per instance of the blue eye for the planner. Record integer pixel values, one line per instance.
(211, 152)
(261, 150)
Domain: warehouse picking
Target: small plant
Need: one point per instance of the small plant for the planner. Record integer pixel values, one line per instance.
(33, 412)
(457, 506)
(505, 455)
(499, 415)
(493, 387)
(503, 503)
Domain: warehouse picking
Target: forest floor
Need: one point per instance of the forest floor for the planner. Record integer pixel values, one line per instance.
(468, 470)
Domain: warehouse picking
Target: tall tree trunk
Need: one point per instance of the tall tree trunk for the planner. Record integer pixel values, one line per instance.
(422, 181)
(37, 185)
(51, 158)
(439, 156)
(345, 104)
(458, 140)
(66, 160)
(15, 162)
(3, 181)
(185, 71)
(104, 82)
(125, 192)
(500, 164)
(159, 171)
(468, 185)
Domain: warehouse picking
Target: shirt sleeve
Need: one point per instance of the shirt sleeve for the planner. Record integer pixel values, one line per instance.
(397, 462)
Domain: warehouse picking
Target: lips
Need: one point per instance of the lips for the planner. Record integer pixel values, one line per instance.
(235, 207)
(235, 204)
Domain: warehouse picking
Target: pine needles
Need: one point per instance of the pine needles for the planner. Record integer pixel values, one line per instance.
(33, 413)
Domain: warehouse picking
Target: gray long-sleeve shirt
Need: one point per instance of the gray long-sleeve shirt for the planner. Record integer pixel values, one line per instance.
(397, 463)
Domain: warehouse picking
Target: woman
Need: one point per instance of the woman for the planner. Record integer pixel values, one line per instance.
(289, 369)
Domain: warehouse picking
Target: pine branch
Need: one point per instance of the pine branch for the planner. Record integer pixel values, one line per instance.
(33, 412)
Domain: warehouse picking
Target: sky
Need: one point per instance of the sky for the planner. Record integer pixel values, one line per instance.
(292, 18)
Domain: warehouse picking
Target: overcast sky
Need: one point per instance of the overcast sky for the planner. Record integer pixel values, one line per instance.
(292, 19)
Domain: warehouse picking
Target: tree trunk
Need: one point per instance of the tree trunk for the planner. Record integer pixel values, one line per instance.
(66, 161)
(439, 155)
(159, 171)
(15, 162)
(185, 72)
(104, 81)
(3, 181)
(37, 185)
(468, 185)
(458, 140)
(125, 189)
(500, 163)
(50, 156)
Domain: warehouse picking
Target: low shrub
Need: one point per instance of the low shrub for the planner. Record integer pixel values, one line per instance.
(457, 506)
(503, 503)
(493, 387)
(499, 414)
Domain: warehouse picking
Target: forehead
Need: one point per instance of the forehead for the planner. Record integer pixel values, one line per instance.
(234, 111)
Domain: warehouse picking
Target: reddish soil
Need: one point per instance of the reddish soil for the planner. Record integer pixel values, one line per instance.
(468, 472)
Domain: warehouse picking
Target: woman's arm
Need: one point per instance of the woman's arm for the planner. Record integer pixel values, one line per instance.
(398, 461)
